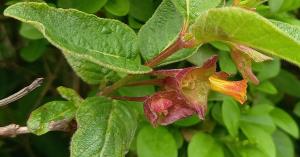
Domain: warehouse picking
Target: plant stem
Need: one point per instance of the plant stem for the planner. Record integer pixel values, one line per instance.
(36, 83)
(157, 82)
(180, 43)
(166, 53)
(109, 89)
(126, 98)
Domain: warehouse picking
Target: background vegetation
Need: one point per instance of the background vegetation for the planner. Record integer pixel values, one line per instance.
(267, 123)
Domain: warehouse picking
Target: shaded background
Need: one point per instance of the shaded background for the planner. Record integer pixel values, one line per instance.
(25, 55)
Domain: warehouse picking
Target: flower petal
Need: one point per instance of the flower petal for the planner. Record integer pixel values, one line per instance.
(166, 107)
(236, 89)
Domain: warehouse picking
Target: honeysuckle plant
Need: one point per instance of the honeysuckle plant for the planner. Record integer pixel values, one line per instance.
(171, 93)
(185, 92)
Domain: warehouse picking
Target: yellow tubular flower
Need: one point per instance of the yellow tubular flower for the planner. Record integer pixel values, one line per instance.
(236, 89)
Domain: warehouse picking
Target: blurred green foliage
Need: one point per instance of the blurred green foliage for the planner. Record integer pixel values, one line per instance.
(266, 126)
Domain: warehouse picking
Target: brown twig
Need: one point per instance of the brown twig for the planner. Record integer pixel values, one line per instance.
(13, 130)
(36, 83)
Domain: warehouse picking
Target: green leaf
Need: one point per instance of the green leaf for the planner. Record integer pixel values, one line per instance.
(231, 116)
(90, 72)
(261, 138)
(156, 142)
(142, 10)
(283, 5)
(160, 31)
(284, 121)
(133, 23)
(70, 94)
(267, 87)
(117, 7)
(34, 50)
(217, 113)
(252, 3)
(284, 145)
(259, 116)
(204, 145)
(288, 83)
(86, 38)
(297, 109)
(261, 109)
(267, 69)
(233, 24)
(90, 6)
(251, 152)
(29, 32)
(191, 9)
(226, 63)
(177, 136)
(220, 45)
(291, 30)
(106, 128)
(42, 118)
(202, 55)
(189, 121)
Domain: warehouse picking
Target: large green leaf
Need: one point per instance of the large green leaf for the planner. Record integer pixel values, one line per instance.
(157, 142)
(86, 38)
(42, 118)
(292, 30)
(160, 31)
(106, 128)
(204, 145)
(90, 6)
(232, 24)
(231, 116)
(285, 122)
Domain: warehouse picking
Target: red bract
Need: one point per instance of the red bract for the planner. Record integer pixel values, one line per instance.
(185, 92)
(243, 57)
(166, 107)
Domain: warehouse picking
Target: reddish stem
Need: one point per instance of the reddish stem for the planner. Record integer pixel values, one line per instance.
(166, 53)
(180, 43)
(157, 82)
